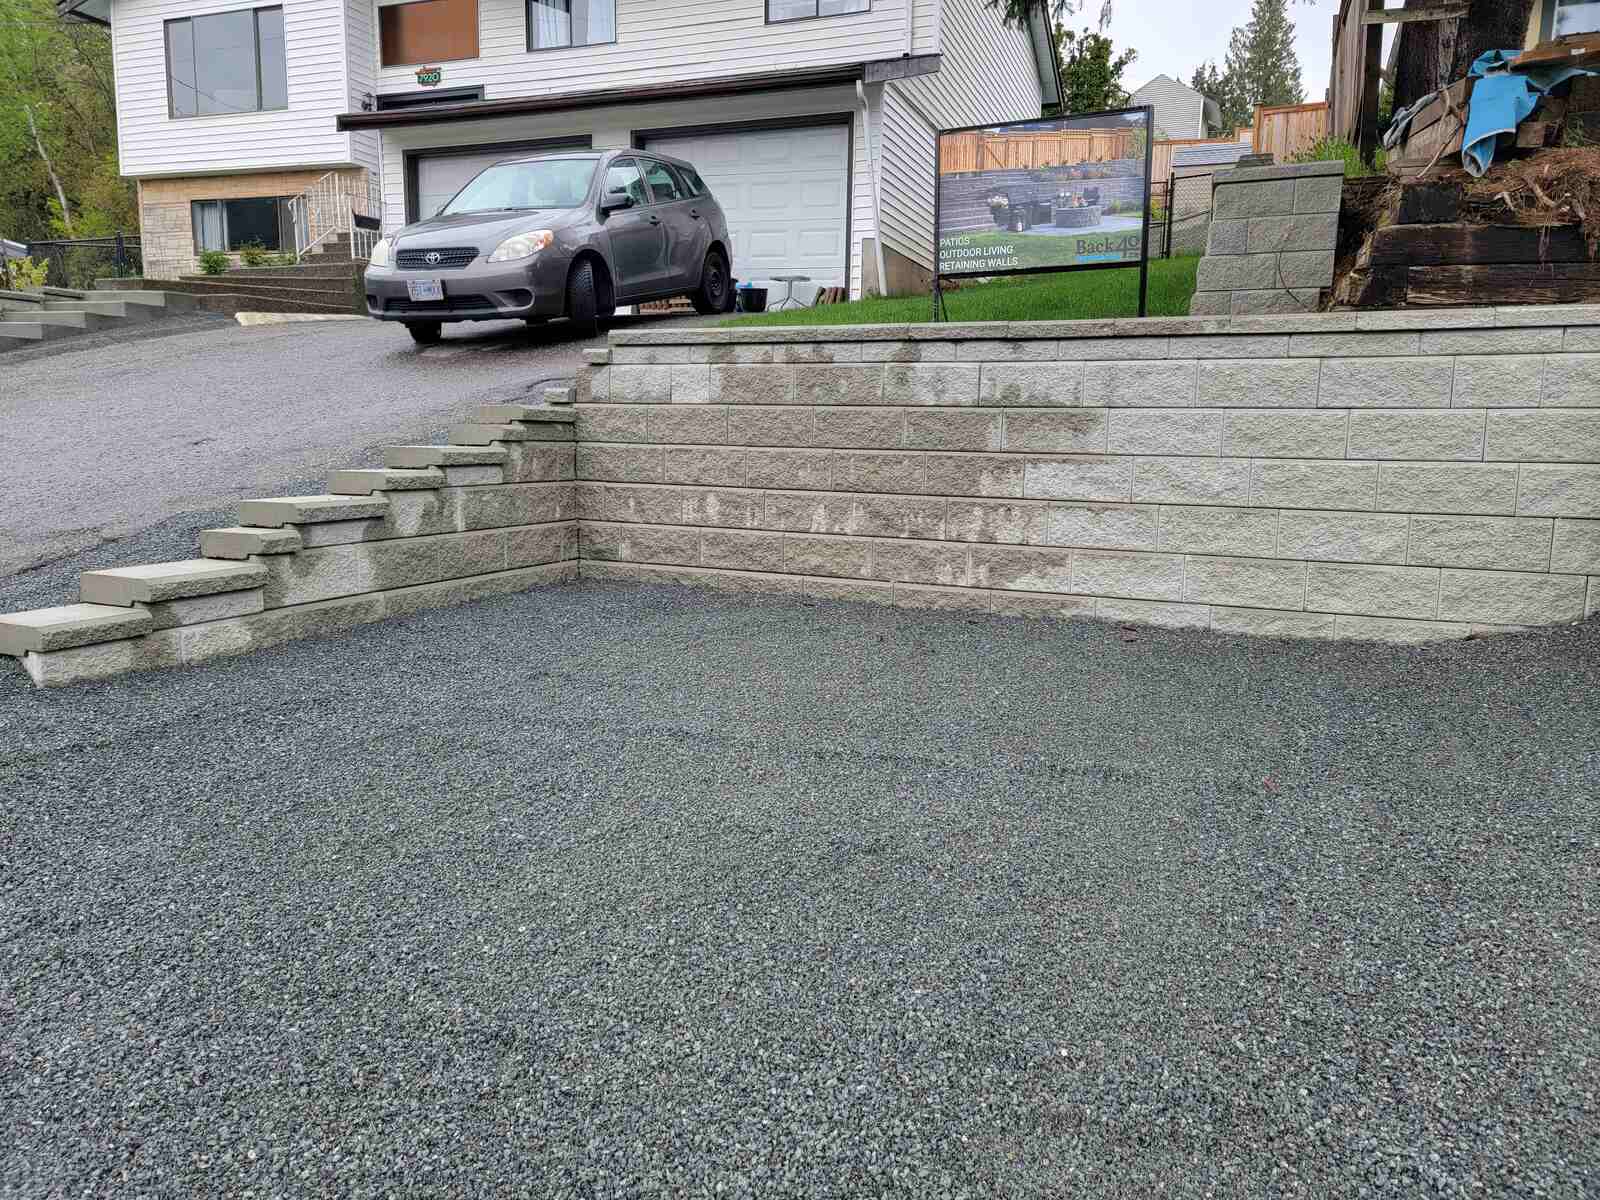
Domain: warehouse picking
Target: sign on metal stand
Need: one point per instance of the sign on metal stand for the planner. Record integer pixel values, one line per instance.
(1030, 197)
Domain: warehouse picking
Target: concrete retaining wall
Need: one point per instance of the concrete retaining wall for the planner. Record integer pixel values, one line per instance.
(1390, 476)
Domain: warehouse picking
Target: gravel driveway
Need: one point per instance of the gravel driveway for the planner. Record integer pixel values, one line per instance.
(116, 437)
(605, 892)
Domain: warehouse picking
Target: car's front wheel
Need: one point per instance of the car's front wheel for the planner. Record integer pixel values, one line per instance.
(583, 306)
(425, 333)
(712, 294)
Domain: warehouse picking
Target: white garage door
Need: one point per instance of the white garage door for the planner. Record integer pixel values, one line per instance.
(441, 176)
(786, 194)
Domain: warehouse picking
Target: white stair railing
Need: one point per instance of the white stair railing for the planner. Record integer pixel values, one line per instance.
(330, 206)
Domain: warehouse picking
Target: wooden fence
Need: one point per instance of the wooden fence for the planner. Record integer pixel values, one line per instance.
(961, 153)
(1287, 129)
(1353, 88)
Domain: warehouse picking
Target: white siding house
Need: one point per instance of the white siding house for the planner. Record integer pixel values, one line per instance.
(806, 125)
(1180, 111)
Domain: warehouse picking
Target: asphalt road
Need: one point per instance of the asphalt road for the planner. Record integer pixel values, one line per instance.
(604, 892)
(126, 432)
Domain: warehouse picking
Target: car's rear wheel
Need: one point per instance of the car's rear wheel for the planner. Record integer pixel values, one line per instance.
(583, 307)
(712, 294)
(425, 333)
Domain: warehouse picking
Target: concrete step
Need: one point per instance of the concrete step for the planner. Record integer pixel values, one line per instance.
(239, 543)
(271, 291)
(417, 457)
(161, 301)
(46, 629)
(388, 479)
(66, 319)
(112, 309)
(278, 511)
(306, 270)
(159, 582)
(32, 331)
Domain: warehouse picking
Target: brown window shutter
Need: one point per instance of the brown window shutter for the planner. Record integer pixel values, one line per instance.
(428, 31)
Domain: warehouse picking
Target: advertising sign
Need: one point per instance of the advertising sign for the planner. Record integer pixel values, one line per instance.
(1064, 194)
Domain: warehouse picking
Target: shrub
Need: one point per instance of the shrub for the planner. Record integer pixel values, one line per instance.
(254, 254)
(19, 274)
(214, 262)
(1331, 148)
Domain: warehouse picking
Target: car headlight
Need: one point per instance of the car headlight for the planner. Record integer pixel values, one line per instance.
(523, 245)
(382, 253)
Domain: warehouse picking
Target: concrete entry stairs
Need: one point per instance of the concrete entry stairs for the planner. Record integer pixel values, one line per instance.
(1403, 476)
(328, 280)
(28, 318)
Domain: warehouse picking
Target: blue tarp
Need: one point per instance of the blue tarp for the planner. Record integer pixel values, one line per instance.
(1501, 100)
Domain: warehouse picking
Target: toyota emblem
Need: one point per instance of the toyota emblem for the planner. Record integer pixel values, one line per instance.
(433, 258)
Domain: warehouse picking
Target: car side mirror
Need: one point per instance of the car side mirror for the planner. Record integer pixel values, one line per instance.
(614, 200)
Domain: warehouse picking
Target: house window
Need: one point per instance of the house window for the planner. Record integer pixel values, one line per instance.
(795, 10)
(230, 62)
(235, 224)
(1573, 16)
(556, 23)
(428, 31)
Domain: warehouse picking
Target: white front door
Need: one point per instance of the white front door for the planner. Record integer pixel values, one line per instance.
(786, 193)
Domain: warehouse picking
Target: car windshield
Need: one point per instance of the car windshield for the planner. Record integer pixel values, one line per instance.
(547, 183)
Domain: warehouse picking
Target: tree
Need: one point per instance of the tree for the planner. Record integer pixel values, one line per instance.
(1091, 78)
(1261, 67)
(1207, 80)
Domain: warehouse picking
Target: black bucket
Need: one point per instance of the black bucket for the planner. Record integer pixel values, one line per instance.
(752, 299)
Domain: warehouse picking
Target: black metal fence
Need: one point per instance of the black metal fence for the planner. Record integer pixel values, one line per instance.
(78, 263)
(1180, 216)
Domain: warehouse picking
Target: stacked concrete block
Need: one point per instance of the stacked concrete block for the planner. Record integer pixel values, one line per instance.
(1392, 476)
(1273, 234)
(492, 513)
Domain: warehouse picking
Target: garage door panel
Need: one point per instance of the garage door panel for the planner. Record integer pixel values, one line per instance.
(786, 195)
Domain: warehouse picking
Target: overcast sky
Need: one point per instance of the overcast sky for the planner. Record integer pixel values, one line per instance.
(1173, 37)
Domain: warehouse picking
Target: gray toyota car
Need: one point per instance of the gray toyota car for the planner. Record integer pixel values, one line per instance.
(569, 235)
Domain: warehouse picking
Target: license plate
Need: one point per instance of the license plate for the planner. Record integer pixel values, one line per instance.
(425, 289)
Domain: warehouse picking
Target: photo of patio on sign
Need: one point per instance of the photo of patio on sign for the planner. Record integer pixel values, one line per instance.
(1051, 195)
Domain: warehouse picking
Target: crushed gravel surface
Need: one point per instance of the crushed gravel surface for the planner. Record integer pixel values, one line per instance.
(620, 892)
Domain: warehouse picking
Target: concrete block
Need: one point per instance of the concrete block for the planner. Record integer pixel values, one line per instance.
(742, 551)
(1039, 607)
(538, 462)
(454, 510)
(1127, 575)
(1547, 314)
(1357, 346)
(334, 571)
(1560, 491)
(640, 543)
(1154, 612)
(1313, 170)
(1402, 633)
(473, 434)
(726, 508)
(744, 356)
(1091, 477)
(1352, 537)
(907, 352)
(1234, 201)
(1577, 548)
(1277, 300)
(172, 614)
(1497, 381)
(542, 414)
(1017, 569)
(1426, 318)
(1498, 342)
(239, 543)
(1229, 346)
(1285, 433)
(1592, 604)
(401, 602)
(850, 385)
(1373, 591)
(635, 504)
(1122, 347)
(1202, 481)
(622, 464)
(1455, 435)
(1245, 582)
(1321, 195)
(1031, 385)
(1572, 381)
(45, 630)
(827, 556)
(1239, 272)
(1386, 383)
(126, 586)
(104, 660)
(820, 352)
(1497, 543)
(279, 511)
(1165, 431)
(1062, 431)
(788, 468)
(689, 385)
(810, 512)
(1511, 598)
(639, 384)
(1007, 522)
(688, 424)
(597, 358)
(953, 430)
(1265, 622)
(1229, 237)
(846, 591)
(1314, 485)
(1100, 526)
(650, 355)
(1210, 304)
(933, 384)
(1247, 532)
(1582, 341)
(343, 533)
(921, 562)
(1488, 490)
(1008, 351)
(459, 477)
(1307, 232)
(364, 483)
(594, 385)
(1161, 384)
(1305, 269)
(901, 472)
(719, 468)
(753, 385)
(900, 517)
(419, 457)
(1548, 435)
(866, 429)
(613, 423)
(968, 475)
(1267, 383)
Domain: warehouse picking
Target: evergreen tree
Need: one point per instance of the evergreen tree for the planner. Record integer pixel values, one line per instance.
(1091, 76)
(1272, 69)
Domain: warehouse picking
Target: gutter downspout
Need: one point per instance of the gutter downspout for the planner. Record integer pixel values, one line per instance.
(877, 204)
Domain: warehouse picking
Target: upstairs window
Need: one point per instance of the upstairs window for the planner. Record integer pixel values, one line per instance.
(796, 10)
(427, 32)
(230, 62)
(556, 23)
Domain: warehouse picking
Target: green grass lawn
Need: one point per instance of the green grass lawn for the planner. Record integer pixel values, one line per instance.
(1071, 296)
